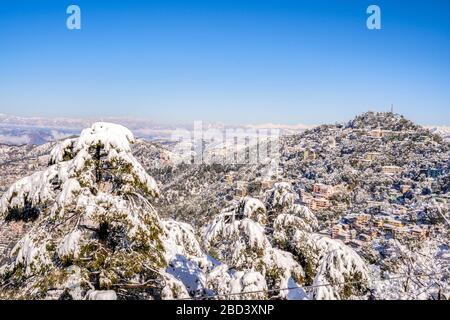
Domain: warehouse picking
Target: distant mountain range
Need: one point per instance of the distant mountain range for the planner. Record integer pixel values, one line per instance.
(443, 131)
(16, 130)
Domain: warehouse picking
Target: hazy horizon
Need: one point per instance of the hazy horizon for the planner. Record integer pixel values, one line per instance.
(147, 120)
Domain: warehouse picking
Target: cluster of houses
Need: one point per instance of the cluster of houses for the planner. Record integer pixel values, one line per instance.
(320, 196)
(359, 230)
(433, 173)
(370, 157)
(241, 188)
(391, 170)
(318, 199)
(379, 134)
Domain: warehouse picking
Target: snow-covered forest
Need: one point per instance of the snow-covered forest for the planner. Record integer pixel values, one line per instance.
(357, 210)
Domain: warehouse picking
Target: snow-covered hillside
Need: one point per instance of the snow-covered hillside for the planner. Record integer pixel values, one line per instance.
(357, 210)
(94, 232)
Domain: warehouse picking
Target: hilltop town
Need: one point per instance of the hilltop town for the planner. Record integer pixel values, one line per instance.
(379, 183)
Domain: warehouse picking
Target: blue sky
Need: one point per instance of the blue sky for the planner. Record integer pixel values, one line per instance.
(247, 61)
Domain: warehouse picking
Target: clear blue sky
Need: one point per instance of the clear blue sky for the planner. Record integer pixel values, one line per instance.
(223, 60)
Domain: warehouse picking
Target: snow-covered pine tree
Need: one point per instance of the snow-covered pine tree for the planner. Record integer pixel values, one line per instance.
(94, 227)
(327, 263)
(237, 238)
